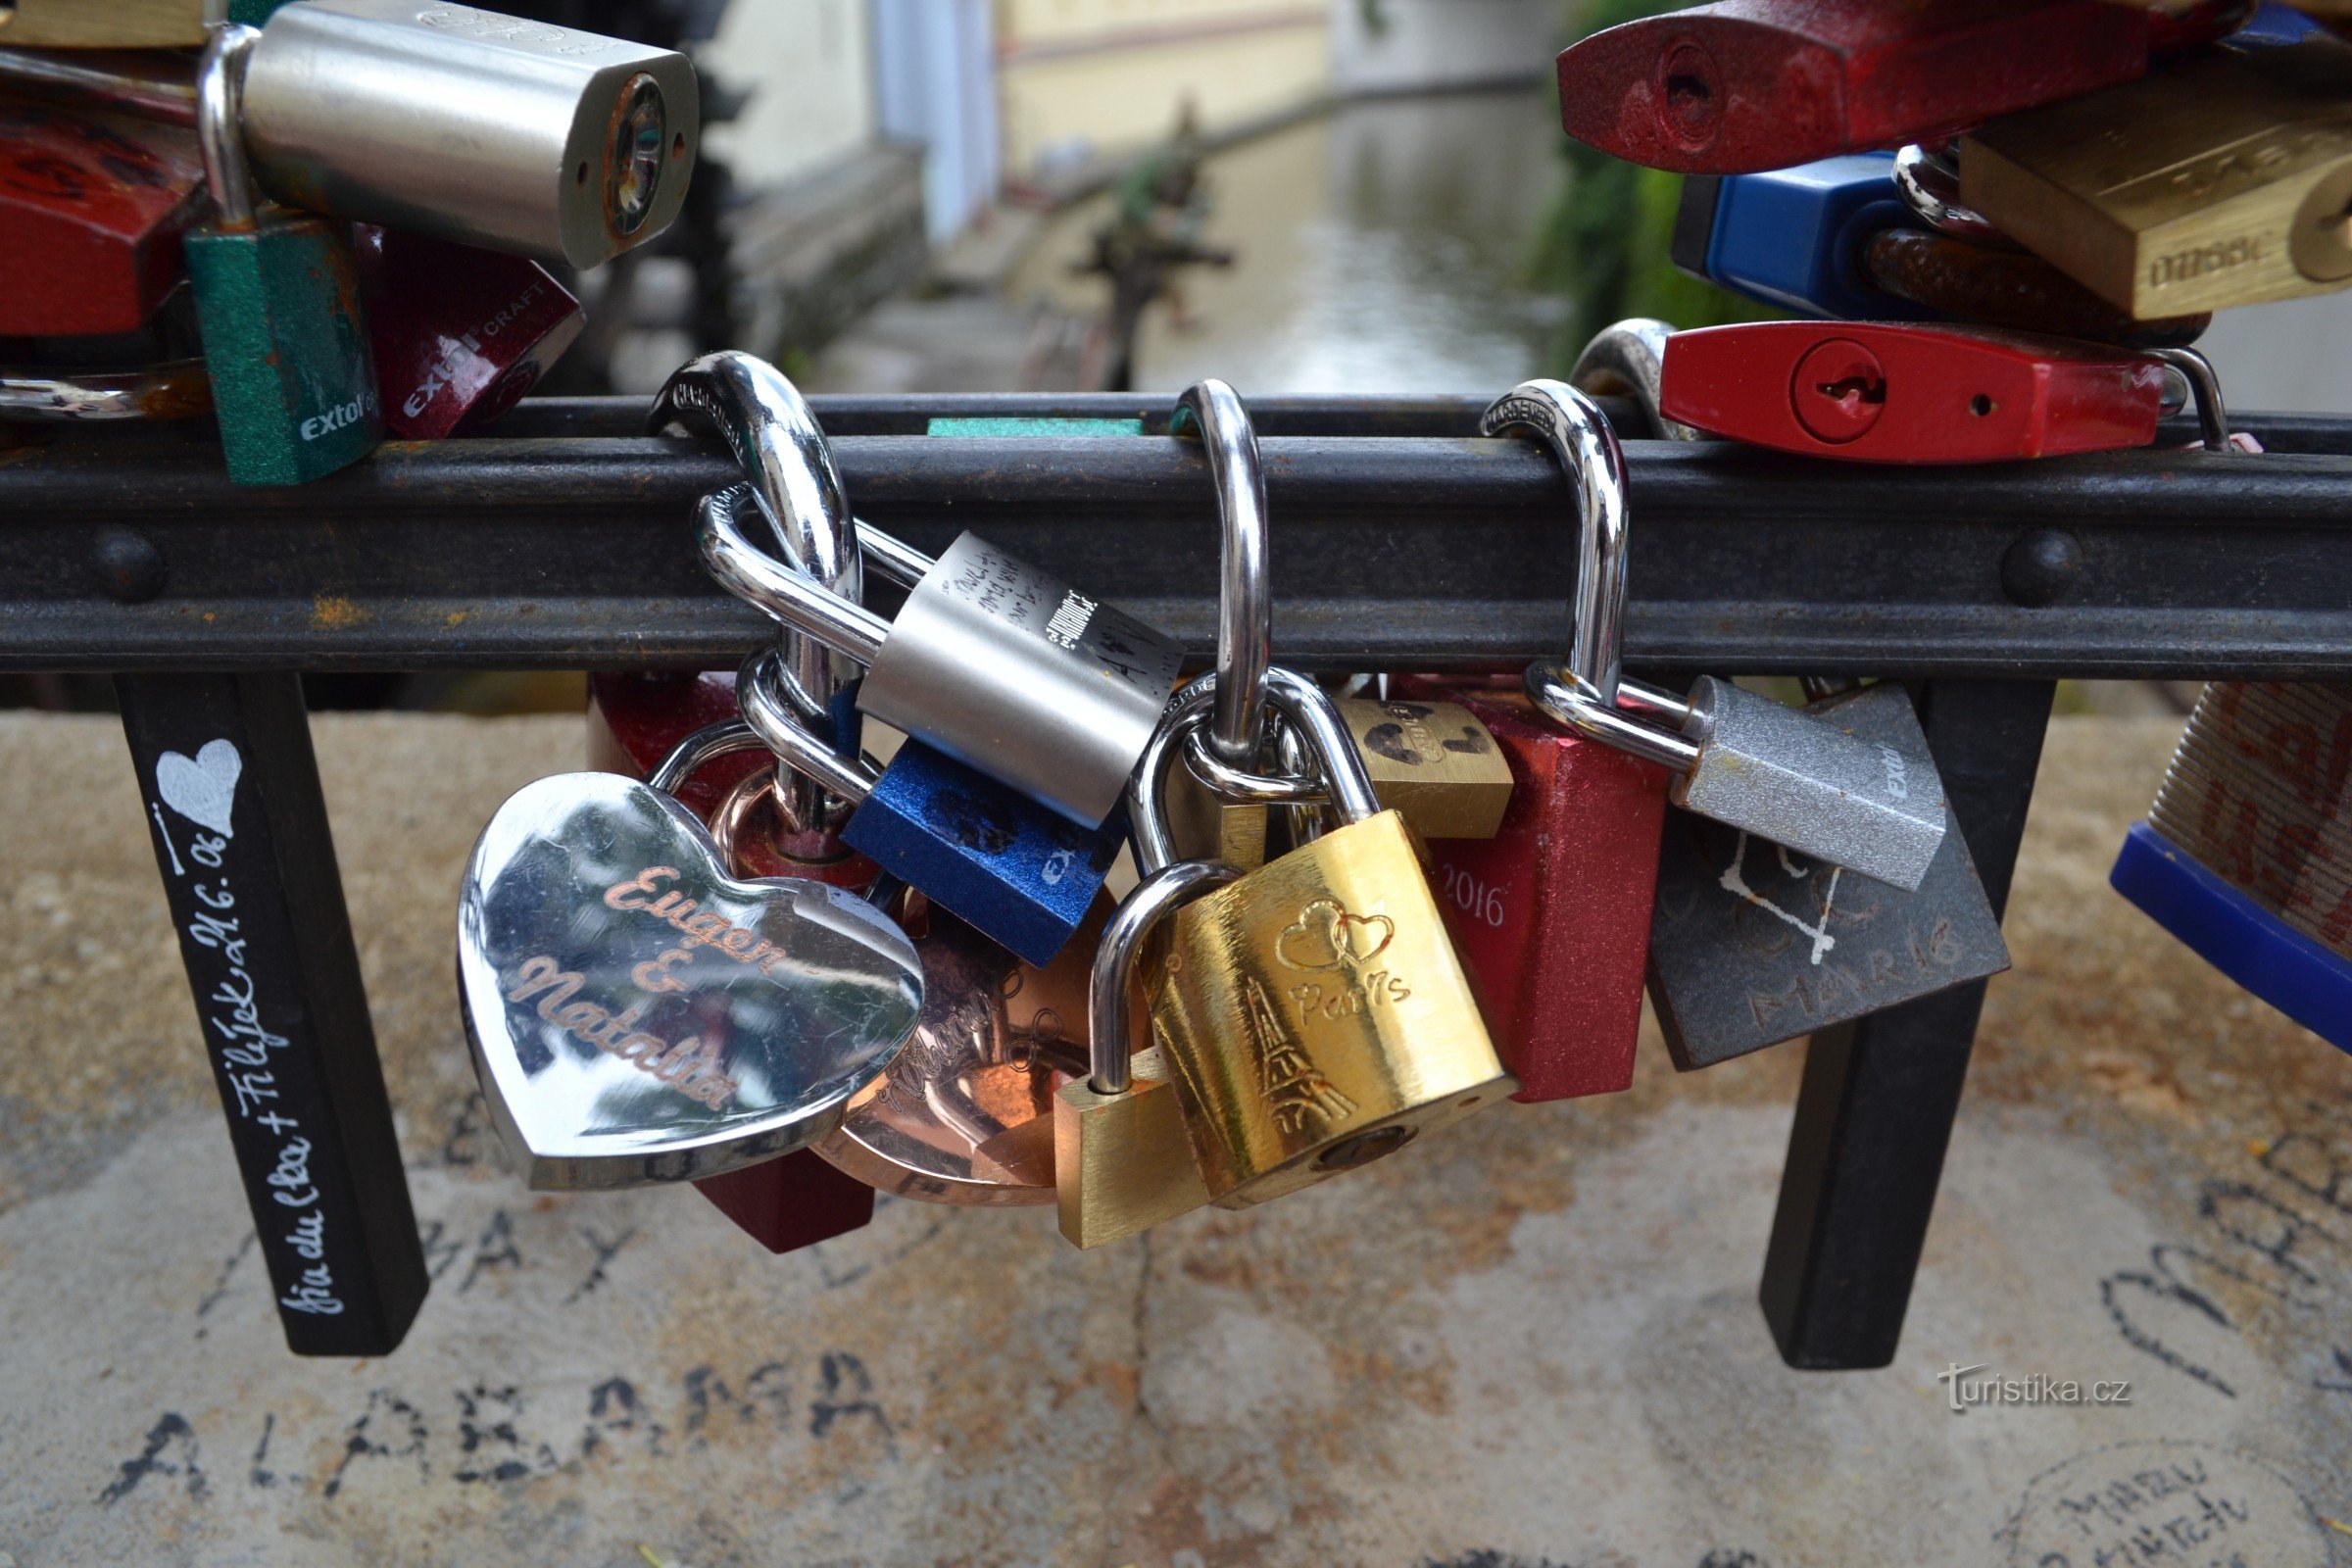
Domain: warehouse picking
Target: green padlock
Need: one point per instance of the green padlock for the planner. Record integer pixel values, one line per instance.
(277, 300)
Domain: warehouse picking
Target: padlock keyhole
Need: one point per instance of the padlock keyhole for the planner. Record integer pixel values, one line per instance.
(1687, 93)
(1864, 388)
(1839, 391)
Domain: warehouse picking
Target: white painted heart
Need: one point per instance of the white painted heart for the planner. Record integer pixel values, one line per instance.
(638, 1016)
(202, 789)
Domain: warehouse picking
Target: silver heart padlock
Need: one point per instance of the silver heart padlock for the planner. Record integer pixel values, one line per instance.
(637, 1015)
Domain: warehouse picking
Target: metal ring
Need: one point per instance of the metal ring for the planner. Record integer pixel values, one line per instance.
(771, 718)
(1929, 185)
(1630, 356)
(1580, 438)
(1245, 592)
(1154, 896)
(1238, 784)
(736, 805)
(726, 738)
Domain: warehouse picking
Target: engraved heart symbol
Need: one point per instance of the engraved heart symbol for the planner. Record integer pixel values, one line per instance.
(639, 1016)
(203, 788)
(1326, 936)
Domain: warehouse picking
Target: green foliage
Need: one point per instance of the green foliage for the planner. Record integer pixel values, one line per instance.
(1605, 244)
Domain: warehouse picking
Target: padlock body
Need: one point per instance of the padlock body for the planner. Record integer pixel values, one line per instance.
(1023, 875)
(1753, 945)
(93, 207)
(379, 110)
(1894, 392)
(1016, 674)
(2221, 181)
(1745, 85)
(1794, 237)
(1203, 825)
(1433, 761)
(1123, 1163)
(1552, 915)
(107, 24)
(1814, 786)
(459, 334)
(1315, 1017)
(286, 344)
(1958, 281)
(788, 1203)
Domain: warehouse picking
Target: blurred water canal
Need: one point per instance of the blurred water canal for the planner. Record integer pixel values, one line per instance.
(1380, 248)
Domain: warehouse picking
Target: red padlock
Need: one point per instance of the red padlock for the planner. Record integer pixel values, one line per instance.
(459, 334)
(1901, 392)
(1741, 86)
(634, 721)
(1551, 915)
(91, 210)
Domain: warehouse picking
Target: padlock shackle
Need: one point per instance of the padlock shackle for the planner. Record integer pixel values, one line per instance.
(2205, 391)
(728, 737)
(756, 411)
(1169, 888)
(1929, 185)
(1245, 586)
(771, 718)
(752, 575)
(895, 559)
(219, 137)
(1553, 690)
(1579, 435)
(1630, 357)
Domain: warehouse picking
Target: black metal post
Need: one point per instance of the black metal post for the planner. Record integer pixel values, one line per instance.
(232, 792)
(1875, 1113)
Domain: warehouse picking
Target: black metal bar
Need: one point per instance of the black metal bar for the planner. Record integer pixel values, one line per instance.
(233, 798)
(1875, 1113)
(1391, 553)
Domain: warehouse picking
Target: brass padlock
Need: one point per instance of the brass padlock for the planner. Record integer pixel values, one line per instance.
(2224, 180)
(1433, 761)
(1122, 1162)
(1313, 1014)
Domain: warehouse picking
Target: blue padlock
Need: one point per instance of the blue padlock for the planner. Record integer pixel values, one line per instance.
(1020, 873)
(2274, 27)
(1794, 237)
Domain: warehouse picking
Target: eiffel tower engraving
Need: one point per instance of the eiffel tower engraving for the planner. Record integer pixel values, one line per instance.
(1298, 1095)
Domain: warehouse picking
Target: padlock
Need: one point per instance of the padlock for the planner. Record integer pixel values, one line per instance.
(110, 23)
(1737, 757)
(1122, 1160)
(2225, 179)
(1015, 871)
(1752, 945)
(1207, 823)
(1742, 86)
(990, 661)
(277, 300)
(91, 210)
(1839, 238)
(459, 334)
(1434, 761)
(175, 390)
(1313, 1014)
(1902, 392)
(634, 723)
(638, 1014)
(371, 110)
(2247, 854)
(964, 1115)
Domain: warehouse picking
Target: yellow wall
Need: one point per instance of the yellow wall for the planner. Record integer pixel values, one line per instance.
(1107, 75)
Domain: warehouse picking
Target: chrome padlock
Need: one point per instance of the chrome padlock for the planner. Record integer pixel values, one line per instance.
(470, 125)
(990, 661)
(639, 1016)
(1021, 874)
(1737, 757)
(1313, 1014)
(1750, 946)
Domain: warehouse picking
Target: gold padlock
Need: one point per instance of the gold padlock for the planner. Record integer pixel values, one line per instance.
(108, 24)
(2224, 180)
(1433, 761)
(1313, 1014)
(1122, 1162)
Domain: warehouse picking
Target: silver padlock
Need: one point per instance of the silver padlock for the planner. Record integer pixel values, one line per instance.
(1737, 757)
(475, 126)
(1009, 671)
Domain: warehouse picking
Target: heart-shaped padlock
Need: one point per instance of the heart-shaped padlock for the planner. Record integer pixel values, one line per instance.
(639, 1016)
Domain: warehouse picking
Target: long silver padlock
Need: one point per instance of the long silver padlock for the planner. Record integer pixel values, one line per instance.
(1009, 671)
(1737, 757)
(478, 128)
